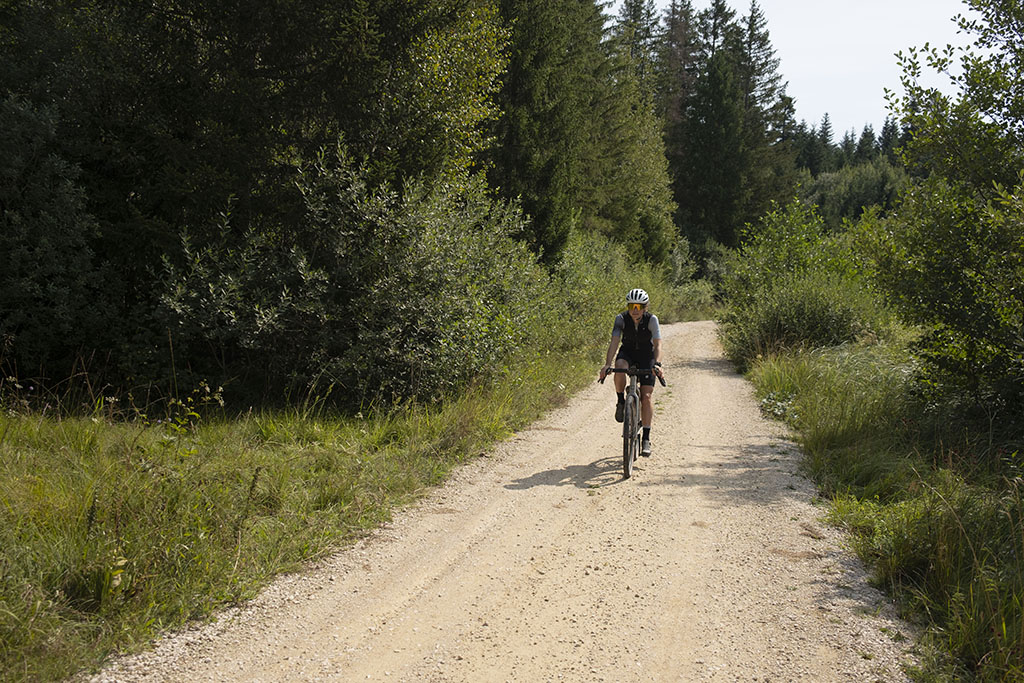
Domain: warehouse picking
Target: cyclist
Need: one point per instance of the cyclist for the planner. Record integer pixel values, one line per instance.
(639, 334)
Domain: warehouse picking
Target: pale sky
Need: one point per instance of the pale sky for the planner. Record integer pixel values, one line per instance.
(838, 56)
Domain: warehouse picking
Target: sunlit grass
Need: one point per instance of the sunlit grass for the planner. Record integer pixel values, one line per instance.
(945, 535)
(114, 530)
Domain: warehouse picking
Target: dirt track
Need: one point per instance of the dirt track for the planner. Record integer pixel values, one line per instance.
(539, 562)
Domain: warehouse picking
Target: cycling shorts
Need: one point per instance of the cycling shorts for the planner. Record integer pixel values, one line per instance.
(640, 360)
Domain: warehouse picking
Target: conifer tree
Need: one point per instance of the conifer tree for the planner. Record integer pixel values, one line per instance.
(768, 114)
(828, 162)
(710, 188)
(867, 145)
(545, 132)
(847, 148)
(758, 66)
(637, 29)
(810, 153)
(732, 148)
(718, 30)
(676, 63)
(889, 139)
(628, 196)
(676, 79)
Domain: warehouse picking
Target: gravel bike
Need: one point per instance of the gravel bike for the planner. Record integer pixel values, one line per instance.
(632, 427)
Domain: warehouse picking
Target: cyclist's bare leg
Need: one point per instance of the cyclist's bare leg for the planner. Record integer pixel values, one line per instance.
(646, 405)
(620, 378)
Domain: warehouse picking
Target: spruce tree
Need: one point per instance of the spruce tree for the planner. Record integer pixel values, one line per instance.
(889, 139)
(718, 30)
(544, 134)
(810, 151)
(637, 29)
(677, 72)
(676, 64)
(768, 118)
(710, 188)
(867, 146)
(829, 152)
(825, 130)
(847, 148)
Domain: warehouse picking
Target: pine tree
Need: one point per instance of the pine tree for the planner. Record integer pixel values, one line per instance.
(637, 29)
(676, 64)
(768, 116)
(867, 146)
(545, 132)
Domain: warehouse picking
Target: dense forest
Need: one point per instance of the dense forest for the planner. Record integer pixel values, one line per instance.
(389, 202)
(208, 191)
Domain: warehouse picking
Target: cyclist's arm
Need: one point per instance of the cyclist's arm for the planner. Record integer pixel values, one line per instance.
(613, 349)
(656, 344)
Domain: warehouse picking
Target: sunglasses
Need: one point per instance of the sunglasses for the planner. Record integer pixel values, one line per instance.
(636, 307)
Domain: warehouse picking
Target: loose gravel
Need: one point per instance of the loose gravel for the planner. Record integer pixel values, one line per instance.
(539, 562)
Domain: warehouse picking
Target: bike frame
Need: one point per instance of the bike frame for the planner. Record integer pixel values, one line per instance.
(632, 426)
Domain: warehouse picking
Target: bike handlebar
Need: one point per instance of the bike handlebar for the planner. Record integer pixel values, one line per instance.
(639, 372)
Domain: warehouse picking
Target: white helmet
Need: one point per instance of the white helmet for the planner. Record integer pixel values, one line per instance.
(637, 296)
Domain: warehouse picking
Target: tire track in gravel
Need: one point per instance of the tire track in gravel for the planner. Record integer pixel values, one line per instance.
(539, 562)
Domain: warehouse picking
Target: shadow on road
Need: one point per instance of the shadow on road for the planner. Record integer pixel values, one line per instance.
(602, 472)
(710, 366)
(739, 475)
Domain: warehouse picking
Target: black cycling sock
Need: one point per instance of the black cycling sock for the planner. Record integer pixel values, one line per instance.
(647, 433)
(622, 396)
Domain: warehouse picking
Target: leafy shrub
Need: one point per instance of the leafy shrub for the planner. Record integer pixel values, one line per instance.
(794, 286)
(451, 307)
(954, 264)
(809, 310)
(381, 297)
(846, 193)
(375, 294)
(591, 281)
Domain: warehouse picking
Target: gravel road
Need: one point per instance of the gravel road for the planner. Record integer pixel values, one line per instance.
(539, 562)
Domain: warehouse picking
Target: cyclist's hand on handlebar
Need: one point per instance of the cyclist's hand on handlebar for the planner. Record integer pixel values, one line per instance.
(604, 373)
(659, 374)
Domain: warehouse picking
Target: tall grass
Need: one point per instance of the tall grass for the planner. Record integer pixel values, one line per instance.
(850, 407)
(944, 535)
(114, 530)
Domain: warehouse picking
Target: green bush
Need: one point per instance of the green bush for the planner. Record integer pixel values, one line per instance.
(800, 311)
(843, 195)
(381, 298)
(794, 286)
(377, 296)
(954, 263)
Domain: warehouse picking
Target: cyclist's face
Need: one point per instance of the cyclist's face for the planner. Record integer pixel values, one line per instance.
(636, 310)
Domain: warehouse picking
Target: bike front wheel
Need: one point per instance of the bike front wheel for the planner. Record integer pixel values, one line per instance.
(629, 437)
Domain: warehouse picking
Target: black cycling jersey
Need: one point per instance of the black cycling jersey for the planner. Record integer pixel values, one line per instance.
(637, 338)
